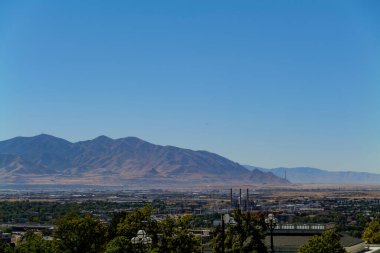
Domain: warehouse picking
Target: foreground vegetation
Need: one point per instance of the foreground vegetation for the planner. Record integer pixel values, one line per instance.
(86, 234)
(327, 242)
(47, 212)
(81, 234)
(76, 232)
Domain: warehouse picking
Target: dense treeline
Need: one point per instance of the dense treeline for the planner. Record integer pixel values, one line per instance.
(76, 233)
(47, 212)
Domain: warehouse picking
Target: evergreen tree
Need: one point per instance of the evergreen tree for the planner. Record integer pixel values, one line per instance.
(246, 235)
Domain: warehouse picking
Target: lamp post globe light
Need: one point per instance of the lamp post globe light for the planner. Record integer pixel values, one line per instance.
(141, 240)
(271, 221)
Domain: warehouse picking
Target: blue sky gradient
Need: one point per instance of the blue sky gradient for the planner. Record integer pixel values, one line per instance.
(266, 83)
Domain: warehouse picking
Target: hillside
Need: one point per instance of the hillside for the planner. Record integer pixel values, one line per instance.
(48, 159)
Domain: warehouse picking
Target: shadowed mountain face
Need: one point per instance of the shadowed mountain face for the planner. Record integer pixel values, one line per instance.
(103, 160)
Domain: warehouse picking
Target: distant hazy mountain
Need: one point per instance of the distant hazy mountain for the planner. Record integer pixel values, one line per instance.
(313, 175)
(266, 177)
(48, 159)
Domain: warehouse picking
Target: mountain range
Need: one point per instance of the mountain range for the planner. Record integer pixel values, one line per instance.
(45, 159)
(307, 175)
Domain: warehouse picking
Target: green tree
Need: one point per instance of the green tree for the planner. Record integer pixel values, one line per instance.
(245, 236)
(175, 236)
(139, 219)
(250, 230)
(76, 234)
(34, 243)
(372, 232)
(112, 228)
(5, 248)
(169, 235)
(119, 244)
(328, 242)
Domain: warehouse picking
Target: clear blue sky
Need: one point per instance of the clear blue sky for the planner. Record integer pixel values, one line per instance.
(266, 83)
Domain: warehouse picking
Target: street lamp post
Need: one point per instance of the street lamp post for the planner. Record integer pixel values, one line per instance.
(141, 239)
(271, 221)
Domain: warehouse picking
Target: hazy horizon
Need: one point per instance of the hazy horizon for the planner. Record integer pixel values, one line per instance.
(267, 84)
